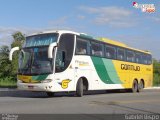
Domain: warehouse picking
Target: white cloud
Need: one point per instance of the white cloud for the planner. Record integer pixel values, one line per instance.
(82, 17)
(143, 42)
(155, 18)
(114, 16)
(112, 10)
(7, 32)
(59, 21)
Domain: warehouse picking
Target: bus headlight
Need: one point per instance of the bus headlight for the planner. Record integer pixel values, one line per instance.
(19, 81)
(46, 81)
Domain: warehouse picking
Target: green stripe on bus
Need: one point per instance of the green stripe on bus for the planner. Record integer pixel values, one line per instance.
(101, 70)
(39, 77)
(111, 70)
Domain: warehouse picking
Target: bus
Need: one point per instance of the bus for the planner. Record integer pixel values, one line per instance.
(65, 61)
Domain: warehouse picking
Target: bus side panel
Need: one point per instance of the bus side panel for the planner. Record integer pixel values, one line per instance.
(105, 71)
(99, 72)
(128, 72)
(124, 75)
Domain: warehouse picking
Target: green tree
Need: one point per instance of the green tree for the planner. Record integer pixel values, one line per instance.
(8, 68)
(4, 52)
(18, 41)
(5, 64)
(156, 66)
(156, 72)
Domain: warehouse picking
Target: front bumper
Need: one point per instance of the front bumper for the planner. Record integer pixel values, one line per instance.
(48, 87)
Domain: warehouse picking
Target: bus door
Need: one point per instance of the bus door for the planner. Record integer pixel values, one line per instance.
(63, 70)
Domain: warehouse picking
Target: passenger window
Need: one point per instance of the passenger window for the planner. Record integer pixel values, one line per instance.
(130, 56)
(120, 54)
(149, 59)
(82, 47)
(144, 59)
(110, 52)
(97, 49)
(138, 58)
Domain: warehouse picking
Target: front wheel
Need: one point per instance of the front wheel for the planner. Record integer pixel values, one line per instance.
(79, 88)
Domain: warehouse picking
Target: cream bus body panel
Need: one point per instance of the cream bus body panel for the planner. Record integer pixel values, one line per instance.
(87, 69)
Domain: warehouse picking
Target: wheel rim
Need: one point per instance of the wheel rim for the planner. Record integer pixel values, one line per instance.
(82, 88)
(135, 86)
(141, 85)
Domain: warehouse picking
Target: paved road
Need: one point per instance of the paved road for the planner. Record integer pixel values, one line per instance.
(111, 103)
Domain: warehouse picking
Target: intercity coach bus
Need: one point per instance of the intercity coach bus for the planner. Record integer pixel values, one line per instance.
(63, 61)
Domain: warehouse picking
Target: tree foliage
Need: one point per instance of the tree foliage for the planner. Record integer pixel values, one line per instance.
(9, 68)
(156, 72)
(18, 41)
(156, 66)
(5, 64)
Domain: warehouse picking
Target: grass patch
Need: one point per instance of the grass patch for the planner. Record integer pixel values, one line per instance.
(8, 82)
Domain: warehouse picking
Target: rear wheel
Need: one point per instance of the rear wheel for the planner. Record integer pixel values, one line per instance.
(140, 86)
(134, 86)
(79, 88)
(50, 94)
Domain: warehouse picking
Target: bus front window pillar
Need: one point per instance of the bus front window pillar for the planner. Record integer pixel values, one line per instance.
(50, 49)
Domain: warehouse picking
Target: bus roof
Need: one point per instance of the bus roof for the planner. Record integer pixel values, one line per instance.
(106, 40)
(55, 31)
(121, 44)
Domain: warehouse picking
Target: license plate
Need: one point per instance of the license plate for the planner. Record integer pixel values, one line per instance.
(30, 87)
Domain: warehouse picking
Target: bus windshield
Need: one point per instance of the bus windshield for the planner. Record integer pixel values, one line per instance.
(40, 40)
(33, 58)
(35, 61)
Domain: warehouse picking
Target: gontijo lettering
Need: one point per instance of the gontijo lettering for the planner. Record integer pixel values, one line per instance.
(130, 67)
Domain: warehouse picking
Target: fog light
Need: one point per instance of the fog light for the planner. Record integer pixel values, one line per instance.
(46, 81)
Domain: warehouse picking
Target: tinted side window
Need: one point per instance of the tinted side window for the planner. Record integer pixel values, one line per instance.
(97, 49)
(64, 52)
(130, 56)
(138, 58)
(149, 59)
(144, 59)
(120, 54)
(82, 46)
(110, 52)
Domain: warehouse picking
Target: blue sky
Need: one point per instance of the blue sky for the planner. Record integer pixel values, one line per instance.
(116, 20)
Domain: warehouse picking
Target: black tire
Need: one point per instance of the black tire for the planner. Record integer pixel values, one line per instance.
(50, 94)
(140, 86)
(134, 86)
(79, 88)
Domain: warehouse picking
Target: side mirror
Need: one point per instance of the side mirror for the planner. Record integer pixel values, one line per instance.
(50, 49)
(12, 51)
